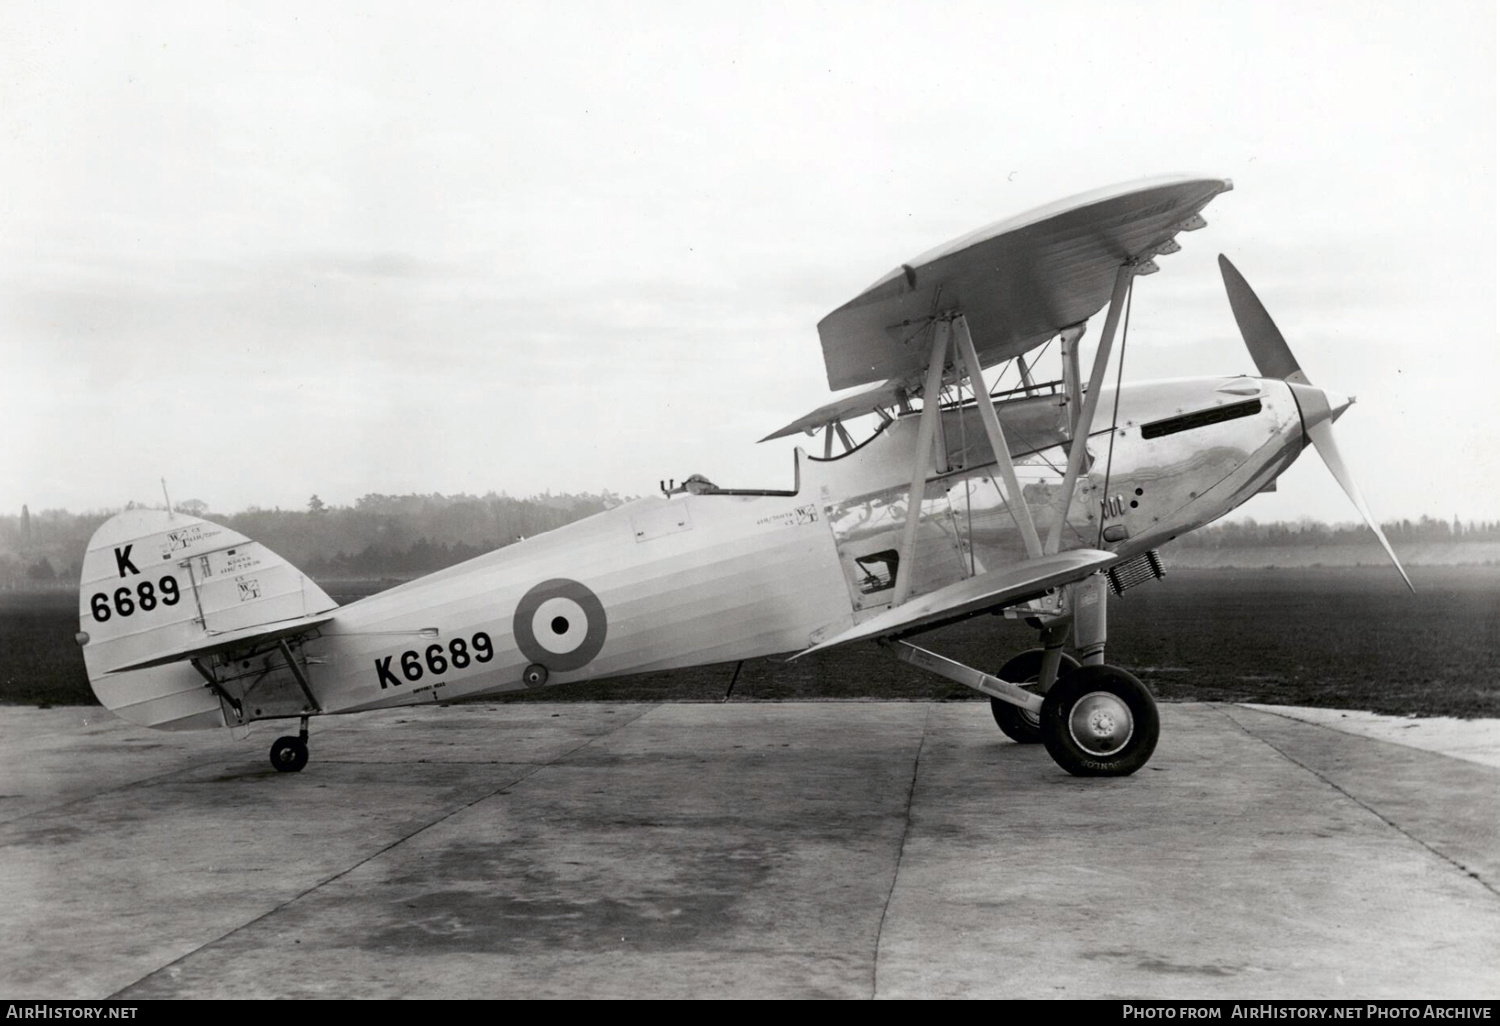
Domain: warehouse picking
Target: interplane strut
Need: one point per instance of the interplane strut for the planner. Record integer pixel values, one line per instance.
(954, 329)
(932, 411)
(1013, 497)
(1090, 402)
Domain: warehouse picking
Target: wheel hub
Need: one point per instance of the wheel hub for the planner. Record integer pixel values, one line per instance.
(1101, 723)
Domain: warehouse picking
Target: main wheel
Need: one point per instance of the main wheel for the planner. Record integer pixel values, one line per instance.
(1016, 723)
(1099, 721)
(289, 754)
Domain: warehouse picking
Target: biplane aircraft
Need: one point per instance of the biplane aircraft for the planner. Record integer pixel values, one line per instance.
(1035, 502)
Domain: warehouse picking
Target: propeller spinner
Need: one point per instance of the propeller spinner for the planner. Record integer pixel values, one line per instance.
(1319, 408)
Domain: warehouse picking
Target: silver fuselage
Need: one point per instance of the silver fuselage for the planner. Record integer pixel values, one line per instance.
(690, 579)
(697, 578)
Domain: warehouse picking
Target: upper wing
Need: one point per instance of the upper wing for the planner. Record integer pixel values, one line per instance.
(1018, 282)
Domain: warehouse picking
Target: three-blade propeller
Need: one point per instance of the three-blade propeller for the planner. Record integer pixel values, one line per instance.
(1319, 408)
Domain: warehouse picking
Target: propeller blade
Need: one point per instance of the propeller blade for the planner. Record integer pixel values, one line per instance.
(1321, 434)
(1272, 356)
(1274, 359)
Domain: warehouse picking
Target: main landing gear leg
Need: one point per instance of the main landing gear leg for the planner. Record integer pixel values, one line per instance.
(1089, 599)
(1097, 720)
(289, 754)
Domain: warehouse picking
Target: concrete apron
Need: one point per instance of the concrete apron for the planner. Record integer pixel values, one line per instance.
(819, 849)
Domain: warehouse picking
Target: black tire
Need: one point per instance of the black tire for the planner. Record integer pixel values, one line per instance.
(1022, 727)
(289, 754)
(1100, 721)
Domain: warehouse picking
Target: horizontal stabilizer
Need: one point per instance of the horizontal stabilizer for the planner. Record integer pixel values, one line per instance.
(228, 640)
(990, 590)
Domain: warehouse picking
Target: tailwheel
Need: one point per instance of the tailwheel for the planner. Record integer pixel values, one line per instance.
(1099, 721)
(289, 754)
(1020, 725)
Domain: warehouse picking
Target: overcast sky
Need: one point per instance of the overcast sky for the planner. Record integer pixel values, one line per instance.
(269, 251)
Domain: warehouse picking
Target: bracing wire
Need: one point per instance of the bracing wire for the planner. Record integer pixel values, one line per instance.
(968, 479)
(1040, 353)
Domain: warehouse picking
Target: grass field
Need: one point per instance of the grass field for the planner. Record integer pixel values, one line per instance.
(1349, 638)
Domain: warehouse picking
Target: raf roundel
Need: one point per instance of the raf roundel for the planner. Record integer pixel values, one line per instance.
(560, 624)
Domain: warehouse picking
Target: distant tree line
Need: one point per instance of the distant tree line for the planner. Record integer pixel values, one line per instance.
(1250, 534)
(378, 536)
(409, 535)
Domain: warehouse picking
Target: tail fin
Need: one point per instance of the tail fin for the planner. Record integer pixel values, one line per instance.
(160, 590)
